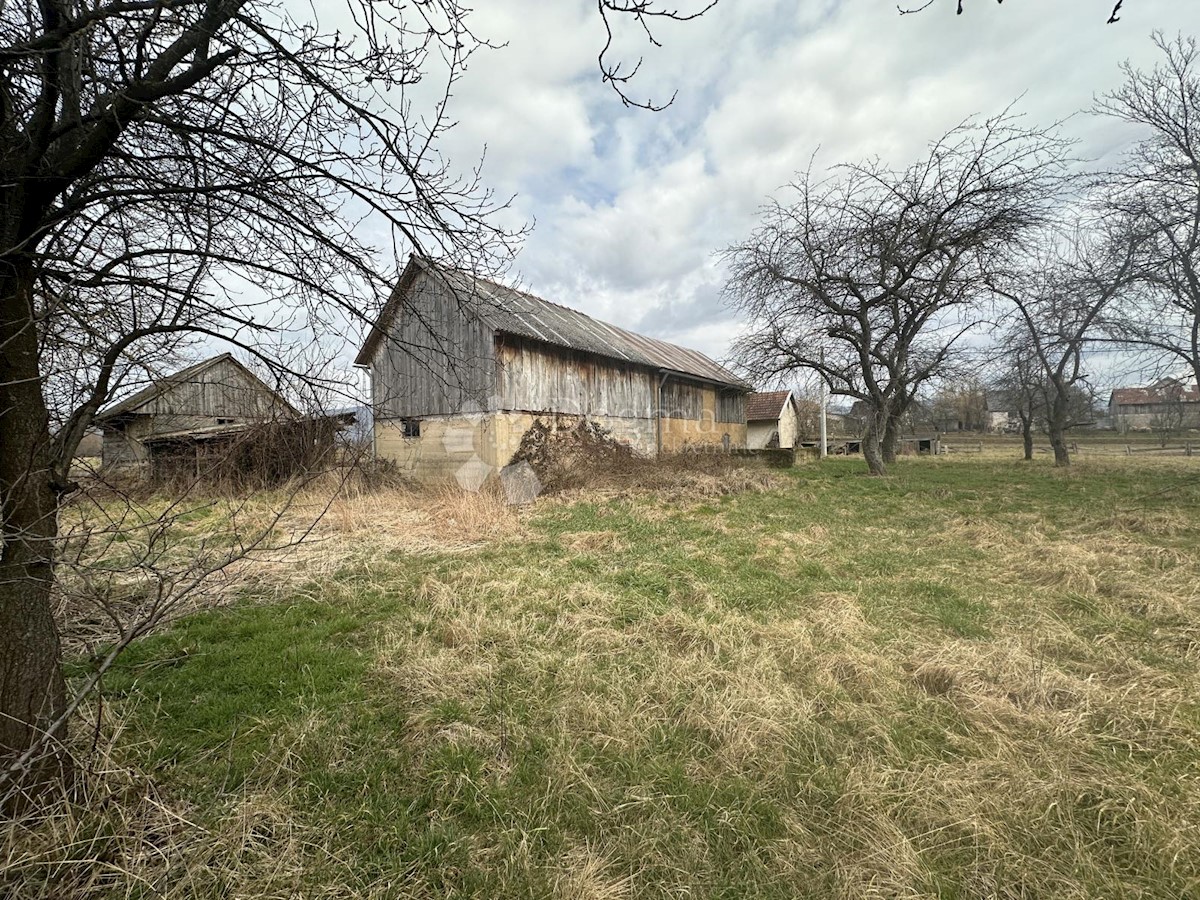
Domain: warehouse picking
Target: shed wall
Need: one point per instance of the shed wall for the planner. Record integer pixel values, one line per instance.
(222, 390)
(789, 426)
(758, 434)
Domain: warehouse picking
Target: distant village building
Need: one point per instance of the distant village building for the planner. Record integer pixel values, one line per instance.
(202, 403)
(462, 367)
(1174, 400)
(772, 420)
(1001, 417)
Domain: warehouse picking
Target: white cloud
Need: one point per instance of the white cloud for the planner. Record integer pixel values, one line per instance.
(631, 206)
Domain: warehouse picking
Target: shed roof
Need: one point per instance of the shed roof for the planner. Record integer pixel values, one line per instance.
(183, 376)
(765, 405)
(507, 310)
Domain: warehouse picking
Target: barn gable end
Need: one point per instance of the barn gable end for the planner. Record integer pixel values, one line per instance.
(216, 392)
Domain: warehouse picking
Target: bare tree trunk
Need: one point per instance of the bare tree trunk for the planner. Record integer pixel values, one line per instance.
(1058, 439)
(32, 689)
(1057, 422)
(891, 440)
(1062, 458)
(873, 448)
(1027, 434)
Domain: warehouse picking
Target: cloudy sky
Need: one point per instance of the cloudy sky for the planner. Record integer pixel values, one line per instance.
(630, 207)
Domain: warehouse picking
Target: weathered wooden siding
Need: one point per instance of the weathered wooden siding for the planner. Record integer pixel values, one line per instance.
(119, 449)
(702, 430)
(122, 444)
(532, 377)
(731, 406)
(223, 390)
(437, 358)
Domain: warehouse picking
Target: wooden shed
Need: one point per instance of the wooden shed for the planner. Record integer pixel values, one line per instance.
(461, 367)
(214, 396)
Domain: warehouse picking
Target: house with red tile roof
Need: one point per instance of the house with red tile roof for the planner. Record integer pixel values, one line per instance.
(1140, 408)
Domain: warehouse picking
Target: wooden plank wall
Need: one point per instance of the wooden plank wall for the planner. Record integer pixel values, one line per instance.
(222, 390)
(731, 406)
(437, 358)
(536, 377)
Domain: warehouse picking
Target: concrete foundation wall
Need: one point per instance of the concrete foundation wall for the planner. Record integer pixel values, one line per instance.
(471, 448)
(1123, 420)
(447, 444)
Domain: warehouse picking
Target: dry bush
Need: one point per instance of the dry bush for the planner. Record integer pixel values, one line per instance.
(581, 456)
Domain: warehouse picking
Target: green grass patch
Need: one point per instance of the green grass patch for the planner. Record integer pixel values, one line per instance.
(973, 678)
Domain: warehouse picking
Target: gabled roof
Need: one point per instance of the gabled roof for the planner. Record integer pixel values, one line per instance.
(507, 310)
(183, 376)
(765, 405)
(1157, 393)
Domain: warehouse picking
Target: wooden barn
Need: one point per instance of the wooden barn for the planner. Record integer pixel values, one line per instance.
(199, 404)
(462, 367)
(772, 420)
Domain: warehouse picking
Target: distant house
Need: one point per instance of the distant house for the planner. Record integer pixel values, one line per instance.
(772, 420)
(1142, 408)
(1001, 417)
(461, 368)
(202, 403)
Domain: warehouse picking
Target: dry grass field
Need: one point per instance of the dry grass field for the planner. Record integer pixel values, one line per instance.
(975, 678)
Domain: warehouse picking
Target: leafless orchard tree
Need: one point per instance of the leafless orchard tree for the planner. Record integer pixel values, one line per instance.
(1019, 381)
(1059, 295)
(1157, 195)
(1171, 417)
(870, 276)
(180, 170)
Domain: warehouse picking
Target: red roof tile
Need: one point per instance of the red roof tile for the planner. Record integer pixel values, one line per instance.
(767, 405)
(1145, 395)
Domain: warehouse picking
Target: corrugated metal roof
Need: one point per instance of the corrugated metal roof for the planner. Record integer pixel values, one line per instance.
(511, 311)
(767, 405)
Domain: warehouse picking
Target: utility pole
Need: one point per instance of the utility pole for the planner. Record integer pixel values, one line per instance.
(824, 404)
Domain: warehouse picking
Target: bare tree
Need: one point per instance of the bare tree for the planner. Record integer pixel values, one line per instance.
(1170, 415)
(1059, 296)
(1156, 196)
(182, 170)
(1020, 382)
(643, 13)
(870, 276)
(961, 401)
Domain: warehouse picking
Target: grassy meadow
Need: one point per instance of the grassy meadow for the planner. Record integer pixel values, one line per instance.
(976, 678)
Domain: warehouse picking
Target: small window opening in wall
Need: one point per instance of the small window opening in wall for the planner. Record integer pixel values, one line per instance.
(411, 427)
(224, 421)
